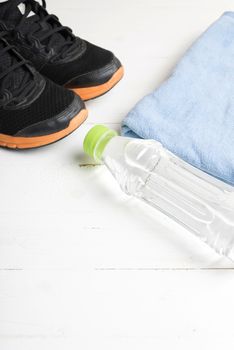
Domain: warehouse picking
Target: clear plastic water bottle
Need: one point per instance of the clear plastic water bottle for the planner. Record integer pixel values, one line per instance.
(146, 170)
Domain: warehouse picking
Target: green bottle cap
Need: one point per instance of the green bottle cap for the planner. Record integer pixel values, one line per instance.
(96, 141)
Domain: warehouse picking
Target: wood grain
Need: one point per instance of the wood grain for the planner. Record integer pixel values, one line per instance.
(82, 265)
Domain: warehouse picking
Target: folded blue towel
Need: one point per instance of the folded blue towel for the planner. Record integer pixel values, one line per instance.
(192, 113)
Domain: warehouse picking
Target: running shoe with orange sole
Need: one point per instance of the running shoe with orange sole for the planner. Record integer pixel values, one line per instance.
(34, 111)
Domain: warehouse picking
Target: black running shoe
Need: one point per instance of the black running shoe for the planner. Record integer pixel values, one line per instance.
(33, 111)
(57, 53)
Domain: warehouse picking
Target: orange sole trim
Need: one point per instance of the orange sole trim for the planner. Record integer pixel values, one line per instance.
(39, 141)
(95, 91)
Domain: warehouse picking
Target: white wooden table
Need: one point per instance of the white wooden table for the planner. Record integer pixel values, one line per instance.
(82, 266)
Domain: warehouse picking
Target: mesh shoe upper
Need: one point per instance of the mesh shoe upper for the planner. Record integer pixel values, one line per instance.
(95, 58)
(51, 102)
(53, 49)
(26, 98)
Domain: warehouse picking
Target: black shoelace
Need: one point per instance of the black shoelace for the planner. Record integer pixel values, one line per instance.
(67, 43)
(14, 95)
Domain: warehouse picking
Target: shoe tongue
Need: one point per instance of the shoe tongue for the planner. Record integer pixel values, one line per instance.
(12, 81)
(22, 9)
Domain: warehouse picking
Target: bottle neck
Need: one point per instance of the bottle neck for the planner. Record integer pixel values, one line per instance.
(96, 140)
(102, 143)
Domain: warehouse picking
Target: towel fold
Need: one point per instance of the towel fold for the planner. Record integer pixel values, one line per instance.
(192, 113)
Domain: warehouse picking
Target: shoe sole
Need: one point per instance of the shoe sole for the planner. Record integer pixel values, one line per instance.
(39, 141)
(95, 91)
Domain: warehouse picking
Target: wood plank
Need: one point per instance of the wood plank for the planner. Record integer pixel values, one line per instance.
(127, 310)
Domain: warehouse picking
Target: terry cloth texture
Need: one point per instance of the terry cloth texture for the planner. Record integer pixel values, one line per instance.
(192, 113)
